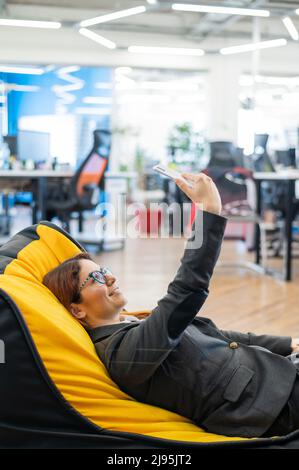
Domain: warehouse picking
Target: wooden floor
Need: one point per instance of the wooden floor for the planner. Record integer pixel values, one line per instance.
(239, 299)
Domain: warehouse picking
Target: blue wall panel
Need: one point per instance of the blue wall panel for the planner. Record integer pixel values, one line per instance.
(47, 99)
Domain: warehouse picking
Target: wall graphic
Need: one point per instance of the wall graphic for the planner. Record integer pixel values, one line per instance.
(83, 94)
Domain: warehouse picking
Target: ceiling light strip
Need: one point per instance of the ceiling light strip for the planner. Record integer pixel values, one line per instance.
(253, 46)
(113, 16)
(291, 28)
(220, 10)
(30, 23)
(97, 38)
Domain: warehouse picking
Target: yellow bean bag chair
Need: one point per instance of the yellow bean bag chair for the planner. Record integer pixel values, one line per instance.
(56, 391)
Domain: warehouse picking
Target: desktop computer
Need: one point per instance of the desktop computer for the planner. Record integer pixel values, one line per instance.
(34, 146)
(286, 158)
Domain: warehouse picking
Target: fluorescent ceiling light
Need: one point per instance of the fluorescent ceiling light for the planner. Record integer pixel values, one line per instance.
(297, 11)
(166, 50)
(253, 46)
(112, 16)
(97, 100)
(152, 2)
(22, 70)
(30, 23)
(291, 28)
(97, 38)
(221, 10)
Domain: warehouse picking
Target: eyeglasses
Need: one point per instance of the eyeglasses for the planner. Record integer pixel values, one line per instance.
(98, 276)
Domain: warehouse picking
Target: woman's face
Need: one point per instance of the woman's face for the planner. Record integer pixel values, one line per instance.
(100, 303)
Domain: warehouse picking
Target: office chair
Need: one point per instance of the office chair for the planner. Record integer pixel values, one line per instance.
(83, 190)
(237, 191)
(224, 157)
(222, 154)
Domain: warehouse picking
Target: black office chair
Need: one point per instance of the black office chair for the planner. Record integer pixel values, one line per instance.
(222, 154)
(224, 157)
(83, 191)
(227, 168)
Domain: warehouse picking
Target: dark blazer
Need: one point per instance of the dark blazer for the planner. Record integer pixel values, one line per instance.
(226, 382)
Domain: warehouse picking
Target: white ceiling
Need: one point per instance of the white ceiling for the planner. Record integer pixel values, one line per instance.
(122, 4)
(159, 26)
(159, 19)
(88, 4)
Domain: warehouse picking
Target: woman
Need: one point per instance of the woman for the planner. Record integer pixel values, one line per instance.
(226, 382)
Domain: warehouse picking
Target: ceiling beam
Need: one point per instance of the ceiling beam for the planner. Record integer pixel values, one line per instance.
(281, 4)
(181, 33)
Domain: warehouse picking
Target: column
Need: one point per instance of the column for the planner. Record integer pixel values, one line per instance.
(223, 99)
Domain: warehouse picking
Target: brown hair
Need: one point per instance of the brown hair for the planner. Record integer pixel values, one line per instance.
(63, 280)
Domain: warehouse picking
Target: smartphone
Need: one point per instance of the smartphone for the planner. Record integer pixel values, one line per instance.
(170, 173)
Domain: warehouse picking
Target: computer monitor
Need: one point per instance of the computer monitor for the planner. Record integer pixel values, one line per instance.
(12, 142)
(33, 145)
(286, 157)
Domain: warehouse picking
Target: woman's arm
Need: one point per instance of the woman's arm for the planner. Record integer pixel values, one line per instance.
(133, 354)
(281, 345)
(189, 289)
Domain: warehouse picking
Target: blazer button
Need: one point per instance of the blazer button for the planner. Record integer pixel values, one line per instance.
(233, 345)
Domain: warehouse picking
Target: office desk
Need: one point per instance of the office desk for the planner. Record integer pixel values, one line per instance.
(289, 177)
(36, 182)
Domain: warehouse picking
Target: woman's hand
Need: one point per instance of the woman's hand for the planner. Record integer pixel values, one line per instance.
(204, 191)
(295, 345)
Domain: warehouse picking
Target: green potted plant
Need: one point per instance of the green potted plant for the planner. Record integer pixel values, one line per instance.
(187, 145)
